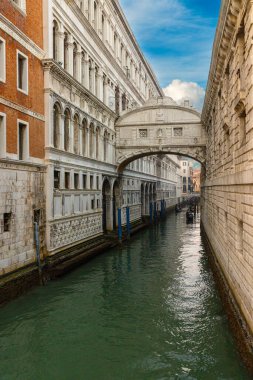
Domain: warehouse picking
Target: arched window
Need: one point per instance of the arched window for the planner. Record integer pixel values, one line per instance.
(91, 130)
(89, 12)
(103, 28)
(76, 134)
(115, 43)
(90, 75)
(105, 145)
(55, 41)
(66, 51)
(66, 130)
(96, 81)
(75, 61)
(84, 137)
(56, 125)
(121, 53)
(124, 102)
(95, 16)
(97, 143)
(104, 89)
(117, 96)
(83, 69)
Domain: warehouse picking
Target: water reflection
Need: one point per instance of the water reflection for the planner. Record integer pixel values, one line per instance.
(147, 310)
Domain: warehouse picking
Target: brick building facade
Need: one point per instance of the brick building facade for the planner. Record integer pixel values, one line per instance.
(21, 131)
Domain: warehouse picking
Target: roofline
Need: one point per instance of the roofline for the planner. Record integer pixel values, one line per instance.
(140, 109)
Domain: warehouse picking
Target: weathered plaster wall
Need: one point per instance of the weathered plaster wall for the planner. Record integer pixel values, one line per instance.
(21, 192)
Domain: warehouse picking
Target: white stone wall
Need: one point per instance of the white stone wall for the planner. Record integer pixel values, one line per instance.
(21, 192)
(227, 207)
(69, 231)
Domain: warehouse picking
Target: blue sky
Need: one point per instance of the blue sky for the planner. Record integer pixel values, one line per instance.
(176, 37)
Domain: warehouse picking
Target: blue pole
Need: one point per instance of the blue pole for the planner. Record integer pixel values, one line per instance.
(151, 212)
(128, 222)
(119, 225)
(37, 244)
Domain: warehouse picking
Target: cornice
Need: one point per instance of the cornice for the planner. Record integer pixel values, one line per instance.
(56, 70)
(158, 107)
(222, 48)
(8, 27)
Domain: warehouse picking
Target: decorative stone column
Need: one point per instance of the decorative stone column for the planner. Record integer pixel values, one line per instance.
(94, 140)
(79, 64)
(86, 72)
(60, 46)
(93, 79)
(49, 110)
(100, 84)
(70, 54)
(106, 91)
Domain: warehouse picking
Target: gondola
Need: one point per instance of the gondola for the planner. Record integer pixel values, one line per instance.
(189, 217)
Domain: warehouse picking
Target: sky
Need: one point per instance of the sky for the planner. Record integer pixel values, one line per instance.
(176, 37)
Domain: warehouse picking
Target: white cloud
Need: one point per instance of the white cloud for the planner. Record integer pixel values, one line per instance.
(180, 91)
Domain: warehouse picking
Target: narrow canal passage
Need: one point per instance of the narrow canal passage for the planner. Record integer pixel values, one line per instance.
(147, 311)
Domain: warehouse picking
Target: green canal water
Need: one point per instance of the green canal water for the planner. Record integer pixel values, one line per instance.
(148, 310)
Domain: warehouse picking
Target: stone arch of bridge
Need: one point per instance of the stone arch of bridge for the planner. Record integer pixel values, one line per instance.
(160, 126)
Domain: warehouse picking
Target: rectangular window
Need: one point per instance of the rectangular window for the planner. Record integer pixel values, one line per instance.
(20, 4)
(92, 204)
(7, 221)
(2, 135)
(84, 181)
(23, 141)
(2, 61)
(91, 182)
(67, 180)
(22, 72)
(97, 183)
(56, 179)
(143, 133)
(36, 216)
(76, 181)
(178, 132)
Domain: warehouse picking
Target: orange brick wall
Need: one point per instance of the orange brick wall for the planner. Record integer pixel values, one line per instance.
(31, 25)
(36, 132)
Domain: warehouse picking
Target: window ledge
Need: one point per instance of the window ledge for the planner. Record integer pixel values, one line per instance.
(23, 91)
(20, 9)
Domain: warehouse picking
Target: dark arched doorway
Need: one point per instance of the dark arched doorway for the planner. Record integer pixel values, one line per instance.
(116, 203)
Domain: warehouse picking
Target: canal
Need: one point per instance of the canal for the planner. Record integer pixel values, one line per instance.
(148, 310)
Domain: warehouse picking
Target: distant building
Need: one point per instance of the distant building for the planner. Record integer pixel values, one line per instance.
(187, 176)
(196, 180)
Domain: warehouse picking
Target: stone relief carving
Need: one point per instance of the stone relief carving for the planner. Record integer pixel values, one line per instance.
(160, 115)
(71, 231)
